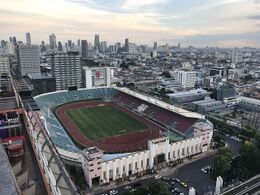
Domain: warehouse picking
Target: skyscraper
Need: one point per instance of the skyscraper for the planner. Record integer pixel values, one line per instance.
(155, 45)
(96, 42)
(28, 38)
(28, 59)
(66, 69)
(126, 45)
(103, 46)
(69, 45)
(84, 48)
(60, 46)
(43, 47)
(53, 44)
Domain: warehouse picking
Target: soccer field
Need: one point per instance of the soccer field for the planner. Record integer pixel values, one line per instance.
(103, 121)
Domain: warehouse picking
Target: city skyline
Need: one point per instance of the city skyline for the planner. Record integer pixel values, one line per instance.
(199, 23)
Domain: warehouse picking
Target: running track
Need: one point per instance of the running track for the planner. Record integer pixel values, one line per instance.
(128, 142)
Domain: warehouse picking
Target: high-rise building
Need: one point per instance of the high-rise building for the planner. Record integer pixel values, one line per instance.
(28, 38)
(117, 46)
(60, 48)
(96, 42)
(43, 47)
(66, 69)
(155, 45)
(237, 57)
(69, 44)
(126, 45)
(53, 44)
(4, 65)
(187, 79)
(28, 57)
(103, 46)
(84, 48)
(78, 43)
(225, 91)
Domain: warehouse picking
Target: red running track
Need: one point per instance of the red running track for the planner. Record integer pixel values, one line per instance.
(128, 142)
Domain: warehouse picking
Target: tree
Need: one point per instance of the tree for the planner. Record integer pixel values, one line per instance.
(222, 163)
(158, 188)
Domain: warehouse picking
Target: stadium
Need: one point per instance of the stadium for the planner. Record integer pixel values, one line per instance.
(121, 132)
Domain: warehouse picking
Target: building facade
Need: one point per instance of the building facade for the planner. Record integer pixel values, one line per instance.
(28, 59)
(66, 69)
(187, 79)
(4, 65)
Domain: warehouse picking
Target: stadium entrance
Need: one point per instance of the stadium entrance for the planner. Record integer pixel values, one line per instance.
(96, 181)
(160, 158)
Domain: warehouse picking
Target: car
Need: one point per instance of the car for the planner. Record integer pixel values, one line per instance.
(178, 180)
(157, 177)
(128, 187)
(113, 192)
(184, 184)
(137, 184)
(133, 190)
(181, 193)
(166, 179)
(172, 182)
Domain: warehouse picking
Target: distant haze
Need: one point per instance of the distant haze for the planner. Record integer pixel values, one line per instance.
(223, 23)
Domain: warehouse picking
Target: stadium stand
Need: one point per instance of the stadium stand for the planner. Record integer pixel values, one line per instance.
(47, 102)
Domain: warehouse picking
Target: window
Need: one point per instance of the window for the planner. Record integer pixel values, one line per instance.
(183, 152)
(142, 164)
(135, 165)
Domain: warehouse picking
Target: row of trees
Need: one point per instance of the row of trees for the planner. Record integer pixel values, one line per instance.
(244, 166)
(155, 188)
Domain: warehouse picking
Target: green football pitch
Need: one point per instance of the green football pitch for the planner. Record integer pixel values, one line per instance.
(103, 121)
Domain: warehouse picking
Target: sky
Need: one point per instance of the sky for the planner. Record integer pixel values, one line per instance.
(222, 23)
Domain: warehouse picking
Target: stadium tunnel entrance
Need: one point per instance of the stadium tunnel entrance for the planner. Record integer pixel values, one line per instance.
(96, 181)
(160, 158)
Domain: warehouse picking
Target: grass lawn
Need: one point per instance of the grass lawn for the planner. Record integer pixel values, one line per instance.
(103, 121)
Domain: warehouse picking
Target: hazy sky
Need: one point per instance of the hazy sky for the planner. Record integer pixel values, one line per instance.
(224, 23)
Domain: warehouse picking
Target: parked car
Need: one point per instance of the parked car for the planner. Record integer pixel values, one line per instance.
(157, 177)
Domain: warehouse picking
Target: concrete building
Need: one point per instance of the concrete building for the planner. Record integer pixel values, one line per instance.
(41, 83)
(188, 96)
(208, 105)
(126, 45)
(225, 91)
(84, 48)
(97, 76)
(66, 69)
(249, 104)
(96, 42)
(28, 59)
(52, 39)
(4, 65)
(103, 46)
(186, 78)
(28, 38)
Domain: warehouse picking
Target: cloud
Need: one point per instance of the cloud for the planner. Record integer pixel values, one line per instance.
(130, 4)
(255, 17)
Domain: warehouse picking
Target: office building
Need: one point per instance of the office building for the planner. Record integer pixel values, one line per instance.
(155, 46)
(225, 91)
(42, 83)
(84, 48)
(4, 65)
(97, 76)
(103, 46)
(188, 96)
(117, 46)
(70, 45)
(96, 42)
(43, 47)
(208, 105)
(126, 45)
(28, 38)
(53, 44)
(60, 48)
(186, 78)
(28, 57)
(66, 69)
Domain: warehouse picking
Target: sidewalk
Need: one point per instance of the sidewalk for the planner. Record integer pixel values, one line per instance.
(166, 172)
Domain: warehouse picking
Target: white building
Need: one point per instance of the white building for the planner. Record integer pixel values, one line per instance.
(4, 65)
(186, 78)
(104, 168)
(28, 59)
(66, 69)
(98, 76)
